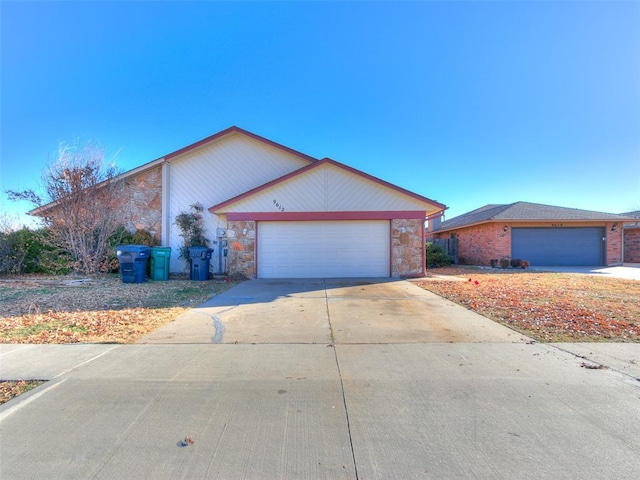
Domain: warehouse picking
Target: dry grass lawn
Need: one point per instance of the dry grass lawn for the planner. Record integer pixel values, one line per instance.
(93, 310)
(550, 307)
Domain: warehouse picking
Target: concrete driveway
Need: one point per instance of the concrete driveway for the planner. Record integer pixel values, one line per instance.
(445, 402)
(340, 311)
(628, 271)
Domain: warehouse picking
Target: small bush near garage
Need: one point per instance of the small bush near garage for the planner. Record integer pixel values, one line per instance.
(437, 257)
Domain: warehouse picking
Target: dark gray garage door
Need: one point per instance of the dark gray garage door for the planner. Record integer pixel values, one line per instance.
(558, 246)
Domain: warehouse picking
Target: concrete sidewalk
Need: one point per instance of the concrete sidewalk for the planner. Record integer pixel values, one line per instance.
(445, 411)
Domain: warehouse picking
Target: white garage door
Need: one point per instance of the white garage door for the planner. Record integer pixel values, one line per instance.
(323, 249)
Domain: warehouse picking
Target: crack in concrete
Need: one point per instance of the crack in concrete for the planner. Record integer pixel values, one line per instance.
(219, 326)
(344, 396)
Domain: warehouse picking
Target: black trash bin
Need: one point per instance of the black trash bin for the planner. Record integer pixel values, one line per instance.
(200, 258)
(133, 262)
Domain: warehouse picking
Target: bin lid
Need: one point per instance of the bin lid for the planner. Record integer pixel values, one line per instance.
(196, 252)
(141, 250)
(133, 248)
(160, 251)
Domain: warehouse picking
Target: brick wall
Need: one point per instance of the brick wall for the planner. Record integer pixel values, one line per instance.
(407, 248)
(632, 245)
(614, 245)
(241, 242)
(143, 197)
(478, 244)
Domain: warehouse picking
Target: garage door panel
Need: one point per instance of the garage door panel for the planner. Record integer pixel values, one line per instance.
(558, 246)
(323, 249)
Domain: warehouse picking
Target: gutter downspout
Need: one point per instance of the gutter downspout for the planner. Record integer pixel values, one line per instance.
(166, 222)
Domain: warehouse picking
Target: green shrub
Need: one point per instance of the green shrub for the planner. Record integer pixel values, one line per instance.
(143, 237)
(437, 257)
(191, 225)
(31, 251)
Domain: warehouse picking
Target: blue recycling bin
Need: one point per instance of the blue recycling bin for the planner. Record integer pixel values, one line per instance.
(199, 258)
(133, 262)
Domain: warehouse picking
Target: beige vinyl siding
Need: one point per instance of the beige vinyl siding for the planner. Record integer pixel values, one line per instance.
(329, 188)
(217, 172)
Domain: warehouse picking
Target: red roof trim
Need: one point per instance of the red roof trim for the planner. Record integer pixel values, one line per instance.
(317, 165)
(318, 216)
(239, 130)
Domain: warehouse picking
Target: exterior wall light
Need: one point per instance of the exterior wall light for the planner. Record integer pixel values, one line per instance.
(505, 228)
(614, 227)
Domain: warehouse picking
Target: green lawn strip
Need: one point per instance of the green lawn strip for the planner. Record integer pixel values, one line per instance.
(36, 329)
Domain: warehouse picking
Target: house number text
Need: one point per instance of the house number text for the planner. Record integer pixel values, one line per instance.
(278, 206)
(557, 225)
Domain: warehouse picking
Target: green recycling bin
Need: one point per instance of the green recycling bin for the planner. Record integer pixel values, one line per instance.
(160, 257)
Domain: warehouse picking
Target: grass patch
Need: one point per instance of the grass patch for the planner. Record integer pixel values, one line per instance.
(41, 329)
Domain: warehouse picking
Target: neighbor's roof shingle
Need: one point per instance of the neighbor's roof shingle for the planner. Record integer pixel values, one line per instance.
(525, 211)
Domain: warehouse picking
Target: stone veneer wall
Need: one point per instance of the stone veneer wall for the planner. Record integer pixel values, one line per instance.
(407, 248)
(241, 242)
(143, 197)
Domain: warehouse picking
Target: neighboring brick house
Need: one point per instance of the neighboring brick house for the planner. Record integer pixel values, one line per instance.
(276, 212)
(632, 238)
(541, 234)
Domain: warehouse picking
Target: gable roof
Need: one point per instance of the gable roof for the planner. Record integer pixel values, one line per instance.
(233, 130)
(213, 138)
(228, 204)
(526, 212)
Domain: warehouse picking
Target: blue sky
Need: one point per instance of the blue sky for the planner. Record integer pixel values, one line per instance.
(467, 103)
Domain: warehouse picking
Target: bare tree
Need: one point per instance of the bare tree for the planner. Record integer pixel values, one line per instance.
(82, 204)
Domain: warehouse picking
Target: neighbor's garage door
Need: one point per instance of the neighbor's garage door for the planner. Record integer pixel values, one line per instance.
(558, 246)
(323, 249)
